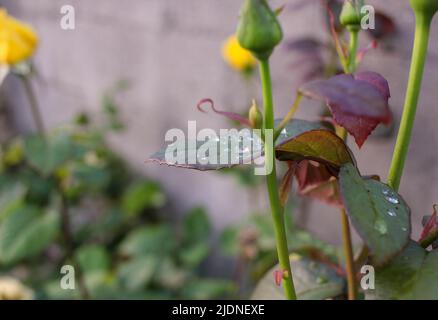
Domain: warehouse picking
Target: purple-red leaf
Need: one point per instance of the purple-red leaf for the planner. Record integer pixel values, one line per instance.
(286, 183)
(358, 102)
(430, 230)
(316, 181)
(385, 26)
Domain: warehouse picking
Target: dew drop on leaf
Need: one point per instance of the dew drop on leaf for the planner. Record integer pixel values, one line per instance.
(380, 226)
(392, 213)
(391, 197)
(321, 280)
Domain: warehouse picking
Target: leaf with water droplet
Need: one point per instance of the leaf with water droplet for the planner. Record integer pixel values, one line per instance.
(411, 275)
(300, 140)
(383, 225)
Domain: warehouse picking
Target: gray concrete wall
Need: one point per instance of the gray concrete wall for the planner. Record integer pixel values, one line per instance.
(170, 51)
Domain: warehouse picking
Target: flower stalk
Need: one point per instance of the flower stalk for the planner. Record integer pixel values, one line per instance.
(350, 18)
(423, 19)
(260, 32)
(272, 184)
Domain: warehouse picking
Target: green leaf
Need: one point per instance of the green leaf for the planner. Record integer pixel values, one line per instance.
(195, 254)
(196, 226)
(202, 289)
(148, 240)
(410, 276)
(25, 233)
(93, 258)
(298, 140)
(10, 199)
(142, 196)
(313, 281)
(137, 273)
(196, 235)
(379, 214)
(229, 241)
(48, 156)
(91, 177)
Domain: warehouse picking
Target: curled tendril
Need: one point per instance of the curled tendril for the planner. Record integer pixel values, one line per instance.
(229, 115)
(361, 54)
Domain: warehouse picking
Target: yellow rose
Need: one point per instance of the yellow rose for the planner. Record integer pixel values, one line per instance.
(18, 41)
(237, 57)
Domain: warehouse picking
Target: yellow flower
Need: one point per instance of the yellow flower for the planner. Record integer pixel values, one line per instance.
(237, 57)
(18, 41)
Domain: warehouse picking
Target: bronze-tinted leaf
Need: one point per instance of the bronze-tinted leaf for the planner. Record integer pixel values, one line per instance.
(320, 145)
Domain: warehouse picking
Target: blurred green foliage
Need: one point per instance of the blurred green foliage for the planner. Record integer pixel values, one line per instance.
(252, 242)
(71, 187)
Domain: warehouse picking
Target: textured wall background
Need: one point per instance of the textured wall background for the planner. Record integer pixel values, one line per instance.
(170, 51)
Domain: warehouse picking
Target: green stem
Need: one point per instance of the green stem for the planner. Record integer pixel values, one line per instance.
(346, 232)
(349, 256)
(419, 54)
(353, 50)
(33, 102)
(272, 184)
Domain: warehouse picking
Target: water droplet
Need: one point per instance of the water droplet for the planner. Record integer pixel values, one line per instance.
(393, 200)
(390, 196)
(392, 213)
(284, 131)
(321, 280)
(380, 226)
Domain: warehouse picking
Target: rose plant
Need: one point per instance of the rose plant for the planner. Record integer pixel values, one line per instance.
(325, 168)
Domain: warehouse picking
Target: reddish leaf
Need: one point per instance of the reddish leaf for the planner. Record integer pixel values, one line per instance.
(320, 145)
(377, 81)
(286, 183)
(316, 181)
(430, 229)
(358, 102)
(385, 26)
(230, 115)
